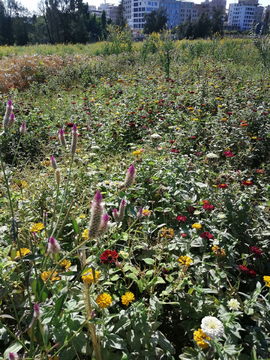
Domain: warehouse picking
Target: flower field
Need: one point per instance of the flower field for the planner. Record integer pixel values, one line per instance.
(135, 202)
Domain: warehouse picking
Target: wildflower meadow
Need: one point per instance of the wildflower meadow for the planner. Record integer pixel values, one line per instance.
(135, 200)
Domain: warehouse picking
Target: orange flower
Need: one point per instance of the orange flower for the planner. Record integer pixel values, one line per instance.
(243, 125)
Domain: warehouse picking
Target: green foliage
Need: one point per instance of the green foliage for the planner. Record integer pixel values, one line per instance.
(155, 21)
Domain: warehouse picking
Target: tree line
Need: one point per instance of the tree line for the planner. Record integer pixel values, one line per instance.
(59, 21)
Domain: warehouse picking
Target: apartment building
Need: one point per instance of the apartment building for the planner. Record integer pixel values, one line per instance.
(245, 14)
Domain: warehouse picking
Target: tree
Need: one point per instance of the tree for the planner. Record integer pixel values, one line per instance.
(156, 21)
(120, 18)
(217, 20)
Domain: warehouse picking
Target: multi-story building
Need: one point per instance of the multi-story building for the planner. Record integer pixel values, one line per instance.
(110, 9)
(138, 9)
(245, 14)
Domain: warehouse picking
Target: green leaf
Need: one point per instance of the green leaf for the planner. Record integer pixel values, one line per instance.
(155, 281)
(16, 347)
(149, 261)
(32, 257)
(140, 284)
(59, 304)
(114, 278)
(75, 226)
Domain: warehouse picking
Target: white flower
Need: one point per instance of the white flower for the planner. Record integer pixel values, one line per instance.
(197, 212)
(155, 136)
(221, 216)
(233, 304)
(212, 156)
(212, 327)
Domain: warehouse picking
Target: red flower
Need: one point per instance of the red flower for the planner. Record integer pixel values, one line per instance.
(174, 151)
(247, 271)
(108, 256)
(207, 235)
(132, 124)
(208, 207)
(256, 251)
(191, 209)
(181, 218)
(183, 235)
(205, 201)
(70, 125)
(172, 141)
(247, 183)
(222, 186)
(228, 154)
(193, 137)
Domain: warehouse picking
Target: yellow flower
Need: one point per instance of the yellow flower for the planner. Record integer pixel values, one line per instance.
(185, 261)
(45, 163)
(146, 212)
(219, 252)
(65, 264)
(104, 300)
(88, 276)
(120, 80)
(166, 233)
(150, 77)
(85, 234)
(24, 251)
(267, 280)
(197, 226)
(198, 336)
(46, 274)
(37, 227)
(82, 216)
(137, 152)
(127, 298)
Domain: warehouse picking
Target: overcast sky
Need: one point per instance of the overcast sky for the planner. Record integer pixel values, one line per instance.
(32, 4)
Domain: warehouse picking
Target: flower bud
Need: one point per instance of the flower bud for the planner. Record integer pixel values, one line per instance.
(62, 138)
(122, 209)
(116, 215)
(53, 246)
(104, 225)
(74, 140)
(130, 177)
(96, 214)
(8, 112)
(53, 163)
(12, 356)
(45, 218)
(23, 129)
(57, 176)
(140, 213)
(11, 121)
(37, 310)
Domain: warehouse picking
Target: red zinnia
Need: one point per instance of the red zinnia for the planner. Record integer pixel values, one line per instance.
(207, 235)
(222, 186)
(108, 256)
(247, 183)
(256, 251)
(228, 154)
(208, 207)
(246, 270)
(181, 218)
(183, 235)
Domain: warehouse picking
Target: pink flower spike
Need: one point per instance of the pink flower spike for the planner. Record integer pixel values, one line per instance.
(115, 211)
(105, 218)
(98, 197)
(23, 128)
(36, 310)
(131, 170)
(53, 246)
(123, 203)
(12, 120)
(62, 137)
(74, 129)
(53, 163)
(9, 103)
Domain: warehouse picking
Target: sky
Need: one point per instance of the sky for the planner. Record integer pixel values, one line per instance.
(32, 4)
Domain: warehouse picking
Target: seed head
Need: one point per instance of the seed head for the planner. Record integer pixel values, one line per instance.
(23, 128)
(62, 138)
(53, 246)
(53, 163)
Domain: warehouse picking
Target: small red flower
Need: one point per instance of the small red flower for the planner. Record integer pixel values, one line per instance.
(222, 186)
(207, 235)
(108, 256)
(208, 207)
(193, 137)
(174, 151)
(191, 209)
(183, 235)
(247, 271)
(247, 183)
(132, 124)
(228, 154)
(181, 218)
(256, 251)
(70, 125)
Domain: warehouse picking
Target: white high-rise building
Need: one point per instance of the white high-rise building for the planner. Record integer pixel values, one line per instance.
(245, 14)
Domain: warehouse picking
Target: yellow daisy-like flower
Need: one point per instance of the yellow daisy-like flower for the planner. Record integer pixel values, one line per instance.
(199, 337)
(120, 80)
(219, 252)
(146, 212)
(45, 163)
(85, 234)
(65, 264)
(46, 274)
(185, 260)
(37, 227)
(127, 298)
(89, 277)
(166, 233)
(137, 152)
(197, 226)
(24, 252)
(104, 300)
(267, 280)
(82, 216)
